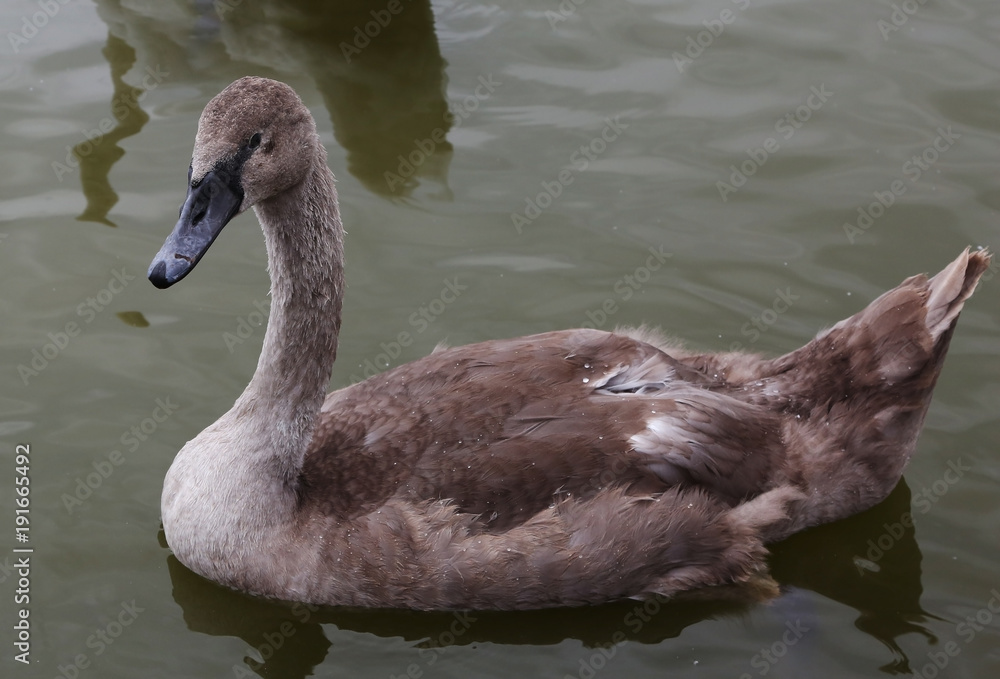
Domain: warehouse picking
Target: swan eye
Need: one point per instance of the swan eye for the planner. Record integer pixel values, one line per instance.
(254, 140)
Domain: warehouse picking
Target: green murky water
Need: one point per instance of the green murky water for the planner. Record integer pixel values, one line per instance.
(739, 172)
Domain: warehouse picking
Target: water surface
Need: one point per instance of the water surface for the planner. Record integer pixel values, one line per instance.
(534, 156)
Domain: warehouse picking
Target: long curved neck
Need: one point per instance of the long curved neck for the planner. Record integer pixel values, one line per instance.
(231, 487)
(305, 251)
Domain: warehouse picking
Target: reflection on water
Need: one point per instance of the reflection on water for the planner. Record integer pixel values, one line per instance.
(380, 73)
(100, 150)
(384, 88)
(381, 76)
(883, 585)
(825, 560)
(133, 318)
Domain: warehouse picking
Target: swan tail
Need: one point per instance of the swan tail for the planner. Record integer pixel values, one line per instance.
(952, 287)
(901, 336)
(861, 389)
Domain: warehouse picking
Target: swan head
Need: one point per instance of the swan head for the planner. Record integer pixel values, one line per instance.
(256, 139)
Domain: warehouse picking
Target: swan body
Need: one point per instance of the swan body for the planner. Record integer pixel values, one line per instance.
(566, 468)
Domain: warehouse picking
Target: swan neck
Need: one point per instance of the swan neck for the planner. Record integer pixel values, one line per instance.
(304, 238)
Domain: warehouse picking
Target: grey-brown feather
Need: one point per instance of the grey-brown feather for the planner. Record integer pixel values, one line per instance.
(558, 469)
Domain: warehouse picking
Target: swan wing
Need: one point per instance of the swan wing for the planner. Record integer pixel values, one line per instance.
(504, 429)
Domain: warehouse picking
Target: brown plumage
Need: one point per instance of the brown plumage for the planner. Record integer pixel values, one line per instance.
(566, 468)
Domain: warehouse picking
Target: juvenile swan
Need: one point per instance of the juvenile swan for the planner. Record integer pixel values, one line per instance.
(561, 469)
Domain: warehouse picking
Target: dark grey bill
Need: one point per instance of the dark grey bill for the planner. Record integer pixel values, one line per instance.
(208, 207)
